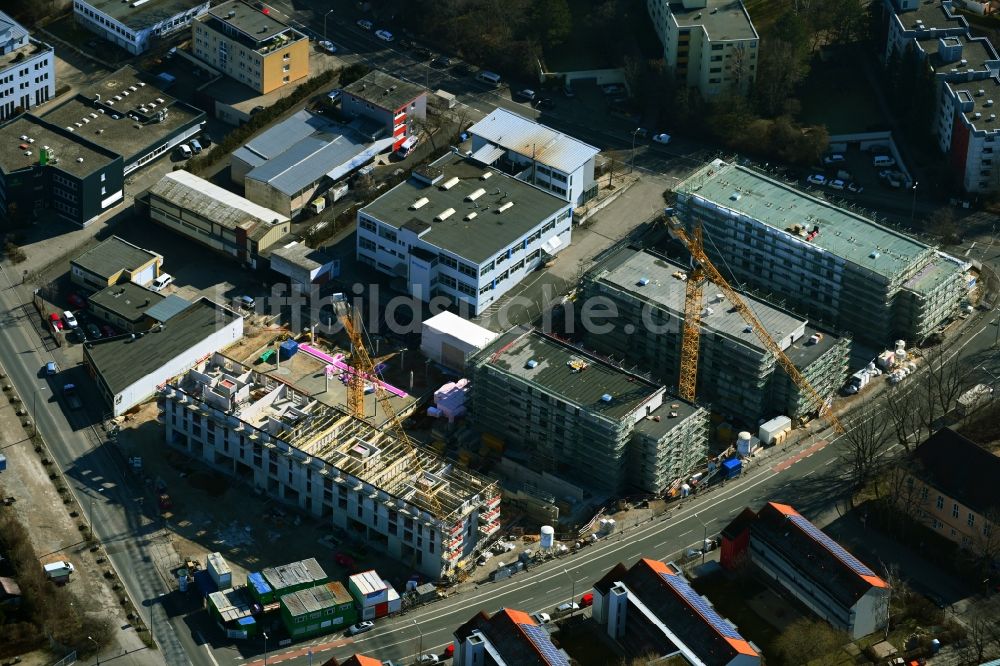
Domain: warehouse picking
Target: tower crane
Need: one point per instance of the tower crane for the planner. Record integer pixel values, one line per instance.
(692, 327)
(363, 369)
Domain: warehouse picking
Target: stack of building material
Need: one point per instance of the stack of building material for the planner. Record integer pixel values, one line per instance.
(449, 400)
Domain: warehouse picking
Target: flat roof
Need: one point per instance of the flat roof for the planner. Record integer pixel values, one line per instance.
(141, 15)
(976, 52)
(71, 155)
(572, 374)
(91, 114)
(127, 300)
(802, 352)
(723, 20)
(984, 105)
(295, 573)
(368, 582)
(231, 211)
(124, 361)
(666, 417)
(252, 22)
(847, 235)
(451, 324)
(384, 90)
(315, 599)
(930, 14)
(489, 232)
(301, 255)
(937, 272)
(627, 269)
(533, 140)
(113, 255)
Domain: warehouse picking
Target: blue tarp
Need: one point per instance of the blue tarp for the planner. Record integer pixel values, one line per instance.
(257, 582)
(246, 621)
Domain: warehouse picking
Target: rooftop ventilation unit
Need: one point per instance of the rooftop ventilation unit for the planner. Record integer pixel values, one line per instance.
(444, 215)
(988, 102)
(506, 206)
(963, 62)
(419, 203)
(977, 115)
(532, 363)
(471, 216)
(980, 92)
(450, 183)
(643, 281)
(606, 397)
(475, 195)
(735, 196)
(992, 117)
(486, 175)
(79, 160)
(874, 254)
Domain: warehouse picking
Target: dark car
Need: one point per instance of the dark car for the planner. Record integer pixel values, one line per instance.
(442, 61)
(543, 103)
(108, 331)
(206, 139)
(421, 53)
(76, 301)
(93, 332)
(462, 68)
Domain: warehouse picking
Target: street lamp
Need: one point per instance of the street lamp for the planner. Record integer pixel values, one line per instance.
(572, 580)
(420, 645)
(324, 23)
(636, 131)
(98, 648)
(93, 532)
(264, 634)
(34, 399)
(913, 205)
(704, 537)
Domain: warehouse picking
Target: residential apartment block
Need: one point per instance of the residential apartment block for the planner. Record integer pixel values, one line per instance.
(737, 374)
(507, 638)
(463, 231)
(27, 69)
(834, 266)
(536, 154)
(710, 45)
(251, 46)
(407, 503)
(952, 488)
(651, 609)
(392, 105)
(136, 26)
(216, 218)
(792, 553)
(562, 410)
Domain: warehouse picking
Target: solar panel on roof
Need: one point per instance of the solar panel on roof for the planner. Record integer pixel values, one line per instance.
(539, 637)
(820, 537)
(709, 614)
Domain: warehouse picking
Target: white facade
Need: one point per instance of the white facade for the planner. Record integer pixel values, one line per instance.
(710, 45)
(27, 82)
(111, 20)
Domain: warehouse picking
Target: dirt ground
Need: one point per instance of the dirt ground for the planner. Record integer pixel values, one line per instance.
(55, 533)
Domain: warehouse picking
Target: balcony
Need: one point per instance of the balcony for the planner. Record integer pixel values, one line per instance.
(489, 530)
(492, 502)
(456, 528)
(454, 543)
(489, 515)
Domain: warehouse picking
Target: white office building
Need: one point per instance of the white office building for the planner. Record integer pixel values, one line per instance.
(135, 26)
(710, 45)
(461, 230)
(27, 69)
(536, 154)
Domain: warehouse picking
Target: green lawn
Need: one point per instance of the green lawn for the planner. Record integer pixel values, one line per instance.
(729, 598)
(837, 94)
(764, 13)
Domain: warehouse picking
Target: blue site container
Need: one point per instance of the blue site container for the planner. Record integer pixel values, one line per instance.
(3, 462)
(288, 349)
(731, 468)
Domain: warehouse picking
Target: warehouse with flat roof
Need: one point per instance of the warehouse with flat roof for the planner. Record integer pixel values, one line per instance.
(134, 26)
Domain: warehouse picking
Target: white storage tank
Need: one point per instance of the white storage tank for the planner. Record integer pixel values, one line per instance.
(548, 538)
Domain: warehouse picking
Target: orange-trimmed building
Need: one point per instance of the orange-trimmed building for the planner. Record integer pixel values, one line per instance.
(508, 638)
(652, 609)
(794, 554)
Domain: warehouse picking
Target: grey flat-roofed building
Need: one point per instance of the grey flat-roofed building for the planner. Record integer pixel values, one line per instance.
(135, 26)
(387, 101)
(114, 260)
(377, 87)
(130, 115)
(128, 371)
(737, 374)
(303, 264)
(838, 268)
(125, 306)
(462, 230)
(567, 411)
(27, 69)
(167, 308)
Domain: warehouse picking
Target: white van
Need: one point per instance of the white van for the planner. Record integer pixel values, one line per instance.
(491, 78)
(160, 283)
(408, 145)
(184, 150)
(883, 161)
(60, 569)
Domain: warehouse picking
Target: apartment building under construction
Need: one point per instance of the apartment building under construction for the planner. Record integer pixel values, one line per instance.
(737, 374)
(409, 503)
(566, 411)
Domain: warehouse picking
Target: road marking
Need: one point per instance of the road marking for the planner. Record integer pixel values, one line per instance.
(661, 544)
(829, 462)
(686, 533)
(201, 640)
(554, 589)
(808, 474)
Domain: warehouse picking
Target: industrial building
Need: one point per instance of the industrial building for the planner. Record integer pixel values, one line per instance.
(507, 638)
(129, 370)
(790, 552)
(288, 165)
(27, 69)
(710, 45)
(45, 167)
(651, 609)
(216, 218)
(113, 261)
(563, 410)
(452, 341)
(457, 229)
(390, 104)
(136, 26)
(536, 154)
(838, 268)
(125, 306)
(303, 265)
(408, 503)
(737, 374)
(250, 45)
(317, 610)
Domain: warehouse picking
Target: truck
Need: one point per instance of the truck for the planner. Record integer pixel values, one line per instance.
(858, 381)
(72, 399)
(973, 399)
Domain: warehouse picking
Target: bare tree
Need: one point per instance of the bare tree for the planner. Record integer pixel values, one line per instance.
(987, 539)
(982, 640)
(806, 640)
(902, 410)
(908, 496)
(864, 443)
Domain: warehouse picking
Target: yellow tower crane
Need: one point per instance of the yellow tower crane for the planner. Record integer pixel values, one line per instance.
(362, 371)
(692, 328)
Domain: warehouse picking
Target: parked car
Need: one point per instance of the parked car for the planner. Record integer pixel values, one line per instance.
(328, 46)
(365, 24)
(422, 53)
(835, 158)
(854, 187)
(93, 332)
(160, 283)
(525, 95)
(661, 138)
(384, 35)
(360, 627)
(246, 302)
(76, 301)
(613, 89)
(541, 618)
(429, 658)
(587, 600)
(442, 61)
(185, 151)
(837, 184)
(56, 321)
(566, 608)
(70, 319)
(195, 146)
(816, 179)
(449, 651)
(206, 139)
(51, 368)
(107, 331)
